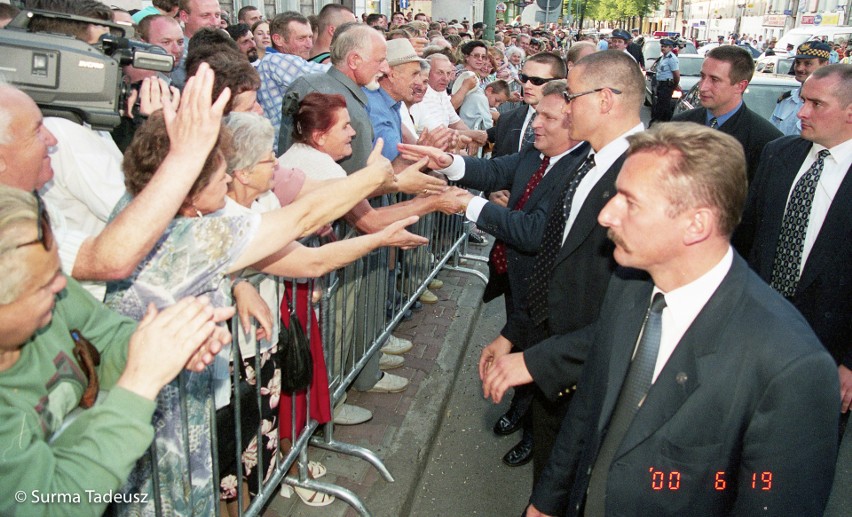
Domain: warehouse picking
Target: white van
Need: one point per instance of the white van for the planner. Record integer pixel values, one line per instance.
(799, 35)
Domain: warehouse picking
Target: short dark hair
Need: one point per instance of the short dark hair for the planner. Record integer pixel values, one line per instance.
(317, 112)
(499, 86)
(246, 9)
(231, 68)
(557, 65)
(79, 30)
(211, 37)
(373, 18)
(166, 5)
(740, 59)
(238, 30)
(281, 23)
(327, 14)
(8, 11)
(468, 48)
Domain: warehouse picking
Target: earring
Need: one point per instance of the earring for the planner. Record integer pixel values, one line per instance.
(197, 212)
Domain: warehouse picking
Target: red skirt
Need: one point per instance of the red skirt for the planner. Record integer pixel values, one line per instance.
(320, 399)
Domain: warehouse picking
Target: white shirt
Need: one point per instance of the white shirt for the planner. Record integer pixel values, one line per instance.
(834, 170)
(456, 171)
(683, 305)
(407, 121)
(314, 163)
(434, 110)
(87, 183)
(527, 122)
(603, 161)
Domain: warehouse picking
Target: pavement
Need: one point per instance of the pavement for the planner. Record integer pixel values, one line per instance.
(435, 437)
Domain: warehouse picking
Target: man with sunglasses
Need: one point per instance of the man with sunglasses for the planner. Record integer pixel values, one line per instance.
(513, 129)
(575, 262)
(78, 381)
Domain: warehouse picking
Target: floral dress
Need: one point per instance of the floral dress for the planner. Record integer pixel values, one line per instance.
(190, 259)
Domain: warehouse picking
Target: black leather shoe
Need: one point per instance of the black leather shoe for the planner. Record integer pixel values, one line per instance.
(520, 454)
(509, 423)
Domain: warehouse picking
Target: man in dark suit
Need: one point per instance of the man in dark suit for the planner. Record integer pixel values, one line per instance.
(725, 75)
(683, 408)
(820, 284)
(535, 176)
(606, 95)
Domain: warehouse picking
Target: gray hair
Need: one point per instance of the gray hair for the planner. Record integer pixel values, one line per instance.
(350, 37)
(515, 50)
(555, 88)
(253, 137)
(18, 209)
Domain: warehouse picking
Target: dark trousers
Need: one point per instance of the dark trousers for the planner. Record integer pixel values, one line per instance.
(547, 417)
(661, 111)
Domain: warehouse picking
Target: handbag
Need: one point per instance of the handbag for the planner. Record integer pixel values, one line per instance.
(297, 367)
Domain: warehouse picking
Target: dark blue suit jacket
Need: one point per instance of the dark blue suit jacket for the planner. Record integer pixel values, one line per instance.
(506, 133)
(824, 292)
(729, 403)
(520, 230)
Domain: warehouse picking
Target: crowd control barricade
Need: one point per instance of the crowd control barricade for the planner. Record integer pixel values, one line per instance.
(358, 308)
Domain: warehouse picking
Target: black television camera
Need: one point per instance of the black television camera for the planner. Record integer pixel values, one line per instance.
(69, 78)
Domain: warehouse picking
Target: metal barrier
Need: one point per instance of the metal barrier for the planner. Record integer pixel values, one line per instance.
(360, 305)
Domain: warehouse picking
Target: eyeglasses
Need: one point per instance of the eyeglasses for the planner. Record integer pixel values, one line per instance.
(538, 81)
(45, 234)
(568, 97)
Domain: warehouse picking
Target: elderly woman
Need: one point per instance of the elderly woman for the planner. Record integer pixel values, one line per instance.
(196, 255)
(262, 39)
(255, 172)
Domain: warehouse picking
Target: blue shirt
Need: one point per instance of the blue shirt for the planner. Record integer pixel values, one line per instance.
(386, 121)
(784, 117)
(668, 64)
(277, 72)
(721, 119)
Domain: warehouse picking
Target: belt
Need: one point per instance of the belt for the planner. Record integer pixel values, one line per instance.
(666, 81)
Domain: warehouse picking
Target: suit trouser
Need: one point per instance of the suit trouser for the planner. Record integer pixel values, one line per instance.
(661, 111)
(547, 417)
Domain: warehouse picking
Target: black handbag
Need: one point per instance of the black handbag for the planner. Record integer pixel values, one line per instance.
(297, 368)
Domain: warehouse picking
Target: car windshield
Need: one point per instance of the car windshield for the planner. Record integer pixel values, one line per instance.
(762, 98)
(690, 67)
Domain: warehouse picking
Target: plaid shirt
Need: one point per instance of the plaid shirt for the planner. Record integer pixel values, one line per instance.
(277, 71)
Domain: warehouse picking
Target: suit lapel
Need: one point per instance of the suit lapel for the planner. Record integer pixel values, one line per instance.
(691, 359)
(527, 166)
(587, 217)
(836, 226)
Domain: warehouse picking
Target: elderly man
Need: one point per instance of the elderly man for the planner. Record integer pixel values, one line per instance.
(810, 56)
(682, 407)
(575, 250)
(90, 248)
(725, 75)
(795, 230)
(51, 332)
(285, 62)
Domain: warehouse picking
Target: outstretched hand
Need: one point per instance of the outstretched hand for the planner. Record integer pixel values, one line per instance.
(437, 159)
(411, 181)
(193, 126)
(396, 235)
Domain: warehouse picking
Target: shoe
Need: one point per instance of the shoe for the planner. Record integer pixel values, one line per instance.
(476, 239)
(436, 284)
(316, 469)
(509, 423)
(389, 383)
(347, 414)
(308, 496)
(397, 345)
(520, 454)
(389, 362)
(391, 312)
(428, 297)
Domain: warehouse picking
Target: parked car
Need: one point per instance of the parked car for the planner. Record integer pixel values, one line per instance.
(710, 45)
(799, 35)
(690, 73)
(761, 96)
(651, 50)
(751, 50)
(774, 65)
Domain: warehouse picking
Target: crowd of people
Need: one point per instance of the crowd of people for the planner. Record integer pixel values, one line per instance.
(676, 297)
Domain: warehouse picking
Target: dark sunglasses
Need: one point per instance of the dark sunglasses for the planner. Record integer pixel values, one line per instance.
(568, 97)
(538, 81)
(45, 234)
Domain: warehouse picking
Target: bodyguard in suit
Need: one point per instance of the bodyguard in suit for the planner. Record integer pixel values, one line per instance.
(535, 176)
(725, 74)
(797, 226)
(704, 391)
(574, 264)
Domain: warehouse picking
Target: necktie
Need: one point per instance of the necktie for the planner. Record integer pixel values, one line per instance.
(498, 252)
(636, 386)
(714, 122)
(552, 242)
(791, 241)
(529, 134)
